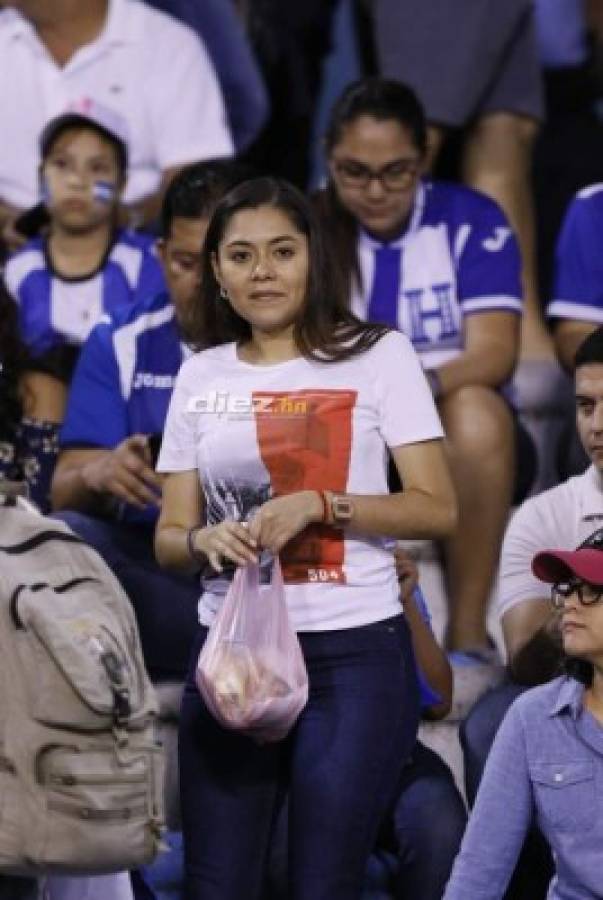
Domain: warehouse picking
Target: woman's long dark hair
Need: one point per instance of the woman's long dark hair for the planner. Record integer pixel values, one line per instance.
(326, 330)
(12, 364)
(381, 99)
(580, 669)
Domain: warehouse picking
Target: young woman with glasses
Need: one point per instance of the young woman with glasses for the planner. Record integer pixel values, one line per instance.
(439, 262)
(546, 763)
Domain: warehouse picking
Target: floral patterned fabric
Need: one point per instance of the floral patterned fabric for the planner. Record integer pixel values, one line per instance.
(31, 457)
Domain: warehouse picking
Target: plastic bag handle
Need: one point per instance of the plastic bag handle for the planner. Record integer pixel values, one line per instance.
(250, 575)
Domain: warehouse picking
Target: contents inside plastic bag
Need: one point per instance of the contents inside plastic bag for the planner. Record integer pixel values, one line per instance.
(251, 672)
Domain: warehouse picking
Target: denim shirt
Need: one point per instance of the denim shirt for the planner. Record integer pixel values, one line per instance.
(546, 765)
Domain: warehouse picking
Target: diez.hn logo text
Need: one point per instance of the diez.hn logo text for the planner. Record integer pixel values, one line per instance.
(225, 403)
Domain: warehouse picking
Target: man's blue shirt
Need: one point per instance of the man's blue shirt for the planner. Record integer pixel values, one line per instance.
(124, 379)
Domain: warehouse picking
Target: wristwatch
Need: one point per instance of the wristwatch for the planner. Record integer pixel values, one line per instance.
(342, 509)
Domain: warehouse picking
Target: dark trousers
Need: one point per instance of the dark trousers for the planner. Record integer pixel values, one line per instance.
(165, 604)
(420, 844)
(426, 827)
(340, 765)
(14, 888)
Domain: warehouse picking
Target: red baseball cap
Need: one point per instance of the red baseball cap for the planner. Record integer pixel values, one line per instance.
(585, 562)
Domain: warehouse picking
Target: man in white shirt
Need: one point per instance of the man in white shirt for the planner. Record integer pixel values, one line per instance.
(150, 68)
(562, 517)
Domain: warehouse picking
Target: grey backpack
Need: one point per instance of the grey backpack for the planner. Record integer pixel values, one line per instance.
(81, 771)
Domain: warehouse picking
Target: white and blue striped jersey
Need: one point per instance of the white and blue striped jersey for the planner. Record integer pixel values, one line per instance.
(123, 381)
(578, 283)
(54, 310)
(457, 257)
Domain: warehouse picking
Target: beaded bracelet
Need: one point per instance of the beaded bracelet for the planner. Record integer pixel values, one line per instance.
(326, 506)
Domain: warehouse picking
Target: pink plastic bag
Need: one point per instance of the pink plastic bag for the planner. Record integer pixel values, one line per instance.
(251, 672)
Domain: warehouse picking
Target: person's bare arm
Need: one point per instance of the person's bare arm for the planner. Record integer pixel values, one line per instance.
(431, 660)
(425, 509)
(94, 478)
(532, 639)
(568, 335)
(594, 18)
(43, 396)
(489, 355)
(181, 511)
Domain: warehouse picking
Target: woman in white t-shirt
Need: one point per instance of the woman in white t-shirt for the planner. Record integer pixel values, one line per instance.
(284, 422)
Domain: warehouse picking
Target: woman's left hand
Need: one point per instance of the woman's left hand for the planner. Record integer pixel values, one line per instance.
(282, 518)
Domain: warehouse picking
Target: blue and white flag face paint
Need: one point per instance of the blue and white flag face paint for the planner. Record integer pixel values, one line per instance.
(103, 191)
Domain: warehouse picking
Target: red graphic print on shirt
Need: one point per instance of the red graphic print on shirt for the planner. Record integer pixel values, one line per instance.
(305, 439)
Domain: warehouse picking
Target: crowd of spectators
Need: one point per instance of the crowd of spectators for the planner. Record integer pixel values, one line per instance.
(462, 205)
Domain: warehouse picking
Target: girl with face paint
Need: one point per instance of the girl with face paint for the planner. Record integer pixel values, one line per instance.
(81, 185)
(83, 265)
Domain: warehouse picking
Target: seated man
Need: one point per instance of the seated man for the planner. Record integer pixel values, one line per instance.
(104, 484)
(577, 304)
(149, 68)
(224, 32)
(560, 517)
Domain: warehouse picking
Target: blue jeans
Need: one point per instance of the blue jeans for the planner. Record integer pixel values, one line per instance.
(478, 731)
(340, 766)
(415, 849)
(534, 868)
(165, 604)
(425, 828)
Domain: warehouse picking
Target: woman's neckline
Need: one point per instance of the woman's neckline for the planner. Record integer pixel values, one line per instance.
(265, 366)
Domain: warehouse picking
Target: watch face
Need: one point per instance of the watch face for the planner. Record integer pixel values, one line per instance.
(342, 509)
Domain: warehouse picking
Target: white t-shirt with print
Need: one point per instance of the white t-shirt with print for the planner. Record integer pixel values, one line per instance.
(254, 432)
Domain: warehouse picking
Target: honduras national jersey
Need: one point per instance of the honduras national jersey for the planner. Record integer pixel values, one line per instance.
(458, 257)
(578, 286)
(124, 378)
(55, 310)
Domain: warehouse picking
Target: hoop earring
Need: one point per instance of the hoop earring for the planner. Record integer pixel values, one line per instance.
(223, 293)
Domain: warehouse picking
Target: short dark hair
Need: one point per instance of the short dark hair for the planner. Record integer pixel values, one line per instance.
(326, 330)
(590, 350)
(382, 99)
(195, 190)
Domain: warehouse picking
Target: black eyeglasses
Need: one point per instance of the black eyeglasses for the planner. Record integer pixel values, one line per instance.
(397, 176)
(588, 594)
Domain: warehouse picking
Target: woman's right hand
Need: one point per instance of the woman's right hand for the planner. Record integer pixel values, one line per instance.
(227, 540)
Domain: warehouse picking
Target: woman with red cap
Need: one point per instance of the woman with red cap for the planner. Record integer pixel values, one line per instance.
(546, 764)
